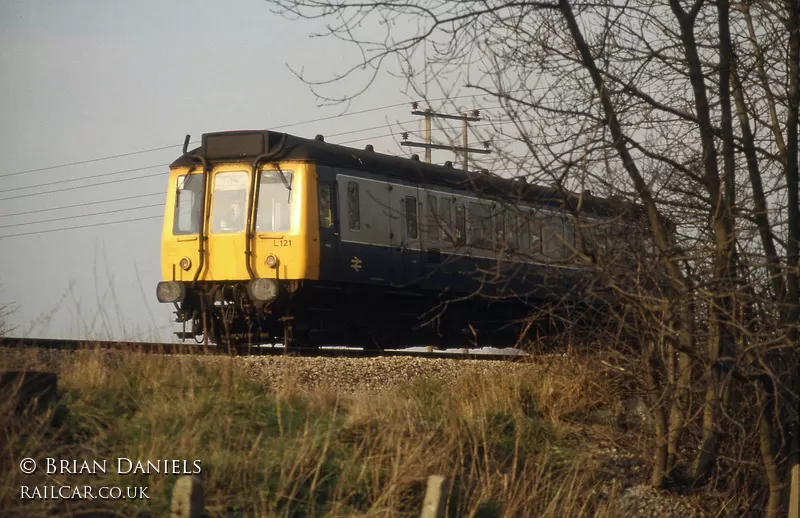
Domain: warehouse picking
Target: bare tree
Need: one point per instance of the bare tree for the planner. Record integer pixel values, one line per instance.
(688, 108)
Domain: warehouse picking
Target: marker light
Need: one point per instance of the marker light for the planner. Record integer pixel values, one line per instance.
(272, 261)
(185, 263)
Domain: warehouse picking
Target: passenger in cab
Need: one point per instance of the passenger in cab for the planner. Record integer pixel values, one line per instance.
(233, 220)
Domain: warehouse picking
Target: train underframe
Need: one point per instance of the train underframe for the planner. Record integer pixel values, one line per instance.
(312, 313)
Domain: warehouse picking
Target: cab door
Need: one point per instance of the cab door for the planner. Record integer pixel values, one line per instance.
(226, 225)
(404, 202)
(181, 231)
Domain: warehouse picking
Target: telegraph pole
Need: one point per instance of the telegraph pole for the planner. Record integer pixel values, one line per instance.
(428, 145)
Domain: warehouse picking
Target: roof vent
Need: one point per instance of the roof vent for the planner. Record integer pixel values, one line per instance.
(485, 171)
(415, 157)
(587, 192)
(319, 138)
(448, 164)
(369, 148)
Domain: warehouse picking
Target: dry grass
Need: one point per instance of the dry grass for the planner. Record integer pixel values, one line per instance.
(502, 441)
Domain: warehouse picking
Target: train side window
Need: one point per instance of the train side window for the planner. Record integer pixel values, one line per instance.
(524, 221)
(569, 237)
(445, 218)
(187, 205)
(596, 236)
(499, 229)
(612, 233)
(535, 235)
(552, 233)
(591, 234)
(461, 225)
(480, 225)
(411, 217)
(431, 218)
(325, 211)
(353, 207)
(512, 230)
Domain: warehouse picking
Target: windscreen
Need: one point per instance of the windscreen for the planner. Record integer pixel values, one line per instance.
(229, 202)
(274, 211)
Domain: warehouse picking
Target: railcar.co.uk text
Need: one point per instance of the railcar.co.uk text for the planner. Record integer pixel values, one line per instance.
(119, 466)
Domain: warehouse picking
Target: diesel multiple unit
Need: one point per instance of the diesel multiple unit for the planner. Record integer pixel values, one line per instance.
(269, 237)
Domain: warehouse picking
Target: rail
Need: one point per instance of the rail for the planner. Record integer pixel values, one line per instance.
(255, 350)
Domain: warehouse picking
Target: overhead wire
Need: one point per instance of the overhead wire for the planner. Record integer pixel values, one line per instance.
(63, 207)
(162, 148)
(368, 110)
(82, 226)
(111, 211)
(83, 186)
(309, 121)
(100, 175)
(122, 155)
(103, 175)
(90, 160)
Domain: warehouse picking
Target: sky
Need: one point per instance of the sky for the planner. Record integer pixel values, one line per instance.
(86, 80)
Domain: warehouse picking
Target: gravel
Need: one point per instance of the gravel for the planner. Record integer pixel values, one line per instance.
(350, 375)
(643, 501)
(344, 374)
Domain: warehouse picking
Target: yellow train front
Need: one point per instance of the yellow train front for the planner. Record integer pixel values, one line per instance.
(240, 235)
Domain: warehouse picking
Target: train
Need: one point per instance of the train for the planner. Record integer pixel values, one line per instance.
(274, 238)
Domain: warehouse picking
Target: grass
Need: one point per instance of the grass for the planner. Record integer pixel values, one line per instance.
(503, 441)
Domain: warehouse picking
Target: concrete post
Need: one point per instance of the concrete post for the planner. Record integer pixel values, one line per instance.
(187, 498)
(435, 497)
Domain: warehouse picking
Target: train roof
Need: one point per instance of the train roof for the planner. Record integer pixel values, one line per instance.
(229, 146)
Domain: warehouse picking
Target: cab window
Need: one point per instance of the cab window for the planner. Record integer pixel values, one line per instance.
(187, 205)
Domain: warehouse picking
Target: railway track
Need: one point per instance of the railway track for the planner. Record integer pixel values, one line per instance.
(199, 349)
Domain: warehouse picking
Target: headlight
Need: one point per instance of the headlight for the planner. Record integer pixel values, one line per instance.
(170, 291)
(263, 289)
(185, 263)
(272, 261)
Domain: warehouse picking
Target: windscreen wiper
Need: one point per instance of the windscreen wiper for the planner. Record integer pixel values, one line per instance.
(284, 180)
